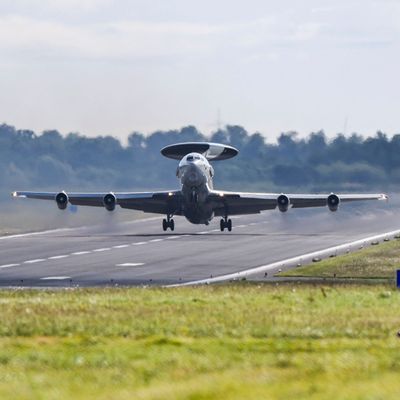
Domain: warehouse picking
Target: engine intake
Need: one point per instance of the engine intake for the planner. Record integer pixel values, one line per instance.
(283, 203)
(333, 202)
(62, 200)
(110, 201)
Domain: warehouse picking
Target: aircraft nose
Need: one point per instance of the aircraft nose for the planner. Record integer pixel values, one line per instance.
(193, 176)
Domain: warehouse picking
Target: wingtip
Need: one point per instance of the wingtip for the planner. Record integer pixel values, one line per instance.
(14, 194)
(384, 197)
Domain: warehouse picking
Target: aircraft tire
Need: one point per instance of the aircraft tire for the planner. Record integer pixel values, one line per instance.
(229, 225)
(172, 224)
(222, 225)
(164, 224)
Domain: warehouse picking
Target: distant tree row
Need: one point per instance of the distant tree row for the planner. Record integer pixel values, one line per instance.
(76, 162)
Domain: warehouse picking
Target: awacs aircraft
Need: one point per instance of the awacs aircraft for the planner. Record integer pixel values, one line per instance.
(197, 200)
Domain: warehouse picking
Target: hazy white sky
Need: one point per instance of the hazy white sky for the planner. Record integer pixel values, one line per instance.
(114, 66)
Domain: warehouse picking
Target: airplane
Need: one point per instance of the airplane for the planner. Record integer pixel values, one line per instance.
(196, 199)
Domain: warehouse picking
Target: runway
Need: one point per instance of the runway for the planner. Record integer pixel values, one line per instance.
(140, 253)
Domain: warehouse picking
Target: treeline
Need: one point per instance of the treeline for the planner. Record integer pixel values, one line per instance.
(76, 162)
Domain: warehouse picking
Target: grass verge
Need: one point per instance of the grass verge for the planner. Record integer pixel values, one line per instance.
(376, 262)
(231, 341)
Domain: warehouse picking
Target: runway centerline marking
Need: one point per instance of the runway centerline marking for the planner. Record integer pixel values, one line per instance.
(9, 265)
(130, 265)
(34, 261)
(121, 246)
(155, 240)
(54, 278)
(173, 237)
(138, 243)
(58, 257)
(80, 253)
(101, 250)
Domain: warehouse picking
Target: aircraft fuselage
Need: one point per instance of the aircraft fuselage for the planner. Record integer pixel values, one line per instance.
(195, 174)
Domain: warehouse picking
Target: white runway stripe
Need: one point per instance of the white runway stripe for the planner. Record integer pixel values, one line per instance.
(9, 265)
(53, 278)
(58, 257)
(34, 261)
(130, 265)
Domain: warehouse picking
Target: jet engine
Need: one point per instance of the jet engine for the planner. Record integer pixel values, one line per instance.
(109, 201)
(62, 200)
(333, 202)
(283, 203)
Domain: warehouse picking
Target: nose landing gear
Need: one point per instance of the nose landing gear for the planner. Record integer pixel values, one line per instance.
(226, 223)
(194, 197)
(168, 223)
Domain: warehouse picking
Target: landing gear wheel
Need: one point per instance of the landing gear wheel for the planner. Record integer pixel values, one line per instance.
(225, 223)
(168, 223)
(222, 225)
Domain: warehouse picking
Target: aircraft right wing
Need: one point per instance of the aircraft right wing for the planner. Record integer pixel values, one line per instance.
(160, 202)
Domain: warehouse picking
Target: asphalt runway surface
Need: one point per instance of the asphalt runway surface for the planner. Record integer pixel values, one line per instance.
(140, 253)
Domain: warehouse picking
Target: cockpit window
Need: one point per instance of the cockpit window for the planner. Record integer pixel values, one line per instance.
(193, 157)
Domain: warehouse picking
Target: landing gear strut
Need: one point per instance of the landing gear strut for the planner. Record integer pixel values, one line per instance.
(168, 223)
(194, 197)
(226, 223)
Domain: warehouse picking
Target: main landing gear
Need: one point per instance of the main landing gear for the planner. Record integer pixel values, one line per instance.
(226, 223)
(168, 223)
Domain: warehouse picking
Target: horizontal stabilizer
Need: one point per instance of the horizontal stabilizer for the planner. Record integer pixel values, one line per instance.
(212, 151)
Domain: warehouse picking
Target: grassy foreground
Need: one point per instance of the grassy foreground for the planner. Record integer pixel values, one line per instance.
(220, 342)
(376, 262)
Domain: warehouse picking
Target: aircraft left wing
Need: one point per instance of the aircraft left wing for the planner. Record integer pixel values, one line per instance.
(161, 202)
(236, 203)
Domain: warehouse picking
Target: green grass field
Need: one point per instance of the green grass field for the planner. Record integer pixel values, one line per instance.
(376, 262)
(216, 342)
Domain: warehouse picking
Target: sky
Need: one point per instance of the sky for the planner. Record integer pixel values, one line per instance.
(103, 67)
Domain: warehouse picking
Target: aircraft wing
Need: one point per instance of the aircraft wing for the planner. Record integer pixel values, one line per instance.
(236, 203)
(161, 202)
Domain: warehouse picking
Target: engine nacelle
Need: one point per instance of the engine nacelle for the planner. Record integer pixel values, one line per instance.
(109, 201)
(333, 202)
(62, 200)
(283, 203)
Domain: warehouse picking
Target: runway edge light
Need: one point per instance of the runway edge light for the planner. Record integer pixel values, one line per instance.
(398, 279)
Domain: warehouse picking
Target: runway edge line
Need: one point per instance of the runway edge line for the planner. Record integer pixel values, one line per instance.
(293, 261)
